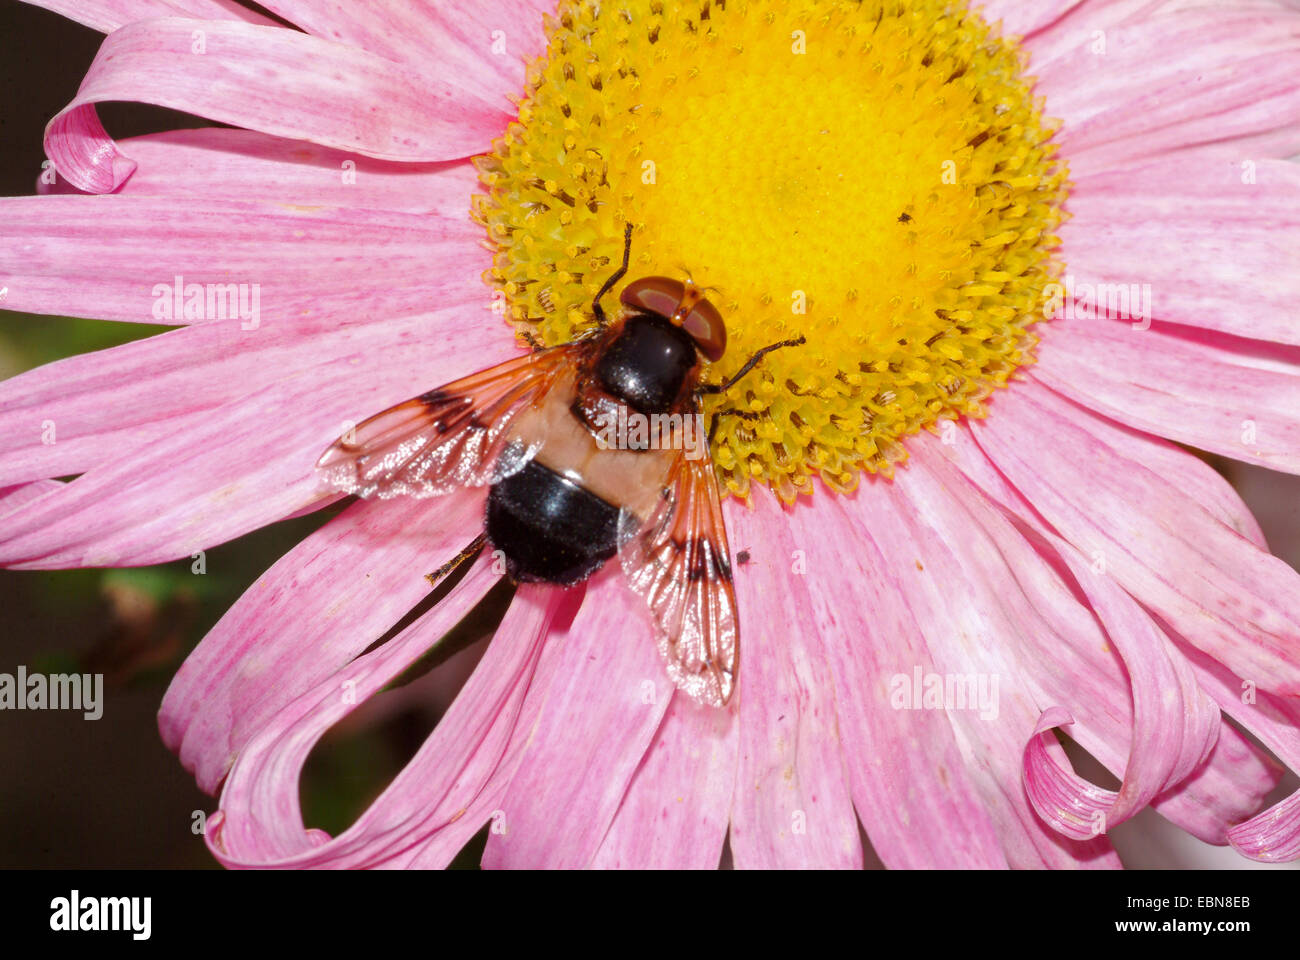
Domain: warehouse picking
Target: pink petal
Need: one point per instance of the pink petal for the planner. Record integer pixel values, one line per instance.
(975, 591)
(1077, 666)
(677, 807)
(1077, 33)
(479, 792)
(602, 709)
(1085, 476)
(1174, 725)
(1055, 649)
(1200, 391)
(1175, 80)
(1192, 233)
(15, 496)
(910, 784)
(274, 80)
(78, 413)
(107, 15)
(246, 464)
(793, 806)
(1196, 478)
(216, 163)
(1230, 787)
(483, 43)
(1272, 836)
(261, 821)
(294, 261)
(305, 618)
(1020, 19)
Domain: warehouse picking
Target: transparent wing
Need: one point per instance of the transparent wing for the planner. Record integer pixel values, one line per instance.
(678, 560)
(458, 435)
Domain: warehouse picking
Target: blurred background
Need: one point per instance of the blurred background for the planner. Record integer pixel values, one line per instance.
(108, 793)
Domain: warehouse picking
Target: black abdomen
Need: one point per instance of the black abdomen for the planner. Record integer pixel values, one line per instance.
(550, 529)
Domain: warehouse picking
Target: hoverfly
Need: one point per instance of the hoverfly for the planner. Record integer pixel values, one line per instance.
(560, 503)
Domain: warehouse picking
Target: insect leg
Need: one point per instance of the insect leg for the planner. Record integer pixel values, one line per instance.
(596, 308)
(749, 365)
(730, 411)
(469, 553)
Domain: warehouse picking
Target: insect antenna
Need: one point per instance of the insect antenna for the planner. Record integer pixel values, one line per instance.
(596, 308)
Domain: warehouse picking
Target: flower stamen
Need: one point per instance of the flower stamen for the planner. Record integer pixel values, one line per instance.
(874, 176)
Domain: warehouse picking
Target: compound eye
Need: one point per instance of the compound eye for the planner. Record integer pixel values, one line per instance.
(705, 326)
(659, 295)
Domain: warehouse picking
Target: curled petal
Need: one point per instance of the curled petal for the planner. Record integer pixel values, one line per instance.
(270, 79)
(262, 825)
(1272, 836)
(107, 15)
(979, 594)
(309, 615)
(1076, 661)
(1174, 724)
(208, 163)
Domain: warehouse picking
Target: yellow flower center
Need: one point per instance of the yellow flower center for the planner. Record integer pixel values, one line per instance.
(875, 176)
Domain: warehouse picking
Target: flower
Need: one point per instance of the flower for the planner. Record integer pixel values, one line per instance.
(1045, 560)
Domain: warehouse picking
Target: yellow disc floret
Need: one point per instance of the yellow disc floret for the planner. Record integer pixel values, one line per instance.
(875, 176)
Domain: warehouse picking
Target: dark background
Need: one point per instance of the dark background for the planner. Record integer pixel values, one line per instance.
(107, 793)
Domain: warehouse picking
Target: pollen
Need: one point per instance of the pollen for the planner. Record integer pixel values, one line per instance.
(875, 176)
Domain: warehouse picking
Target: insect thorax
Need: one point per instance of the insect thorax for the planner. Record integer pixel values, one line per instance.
(651, 365)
